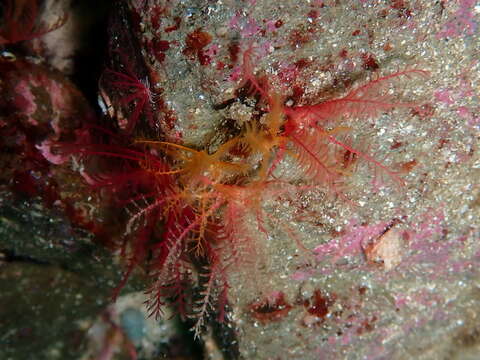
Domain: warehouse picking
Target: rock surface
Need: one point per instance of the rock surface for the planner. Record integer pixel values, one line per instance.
(392, 270)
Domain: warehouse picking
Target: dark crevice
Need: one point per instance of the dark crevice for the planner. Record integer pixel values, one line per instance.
(89, 60)
(10, 256)
(226, 337)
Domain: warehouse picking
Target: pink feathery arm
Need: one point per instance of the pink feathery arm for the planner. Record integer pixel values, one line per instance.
(362, 102)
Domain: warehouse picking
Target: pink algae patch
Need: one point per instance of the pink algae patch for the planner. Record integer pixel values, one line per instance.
(350, 244)
(430, 248)
(212, 50)
(25, 100)
(466, 114)
(23, 89)
(444, 96)
(462, 23)
(45, 150)
(235, 20)
(250, 28)
(57, 94)
(270, 26)
(247, 28)
(432, 224)
(301, 275)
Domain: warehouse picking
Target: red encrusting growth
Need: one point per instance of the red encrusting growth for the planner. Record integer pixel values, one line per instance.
(195, 43)
(319, 304)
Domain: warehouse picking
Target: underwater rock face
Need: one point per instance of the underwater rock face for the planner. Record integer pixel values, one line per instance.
(53, 281)
(379, 260)
(397, 268)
